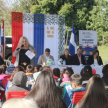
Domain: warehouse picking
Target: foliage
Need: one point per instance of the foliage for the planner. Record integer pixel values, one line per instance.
(4, 10)
(86, 14)
(76, 11)
(98, 20)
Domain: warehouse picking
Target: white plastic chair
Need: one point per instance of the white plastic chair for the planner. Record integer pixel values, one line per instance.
(30, 83)
(7, 62)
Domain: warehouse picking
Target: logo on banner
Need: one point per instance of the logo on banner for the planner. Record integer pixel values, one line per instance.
(50, 32)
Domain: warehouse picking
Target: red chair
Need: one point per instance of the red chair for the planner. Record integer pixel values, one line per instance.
(16, 94)
(77, 97)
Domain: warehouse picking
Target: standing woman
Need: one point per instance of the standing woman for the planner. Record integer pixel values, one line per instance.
(67, 57)
(95, 59)
(19, 53)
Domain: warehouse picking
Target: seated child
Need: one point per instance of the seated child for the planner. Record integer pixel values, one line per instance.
(29, 72)
(37, 68)
(76, 82)
(65, 77)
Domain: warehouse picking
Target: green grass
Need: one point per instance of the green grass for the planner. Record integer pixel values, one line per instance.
(103, 52)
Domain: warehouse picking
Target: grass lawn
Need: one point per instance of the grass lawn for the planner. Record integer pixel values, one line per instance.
(103, 52)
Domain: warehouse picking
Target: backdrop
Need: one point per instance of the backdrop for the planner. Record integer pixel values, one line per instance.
(43, 31)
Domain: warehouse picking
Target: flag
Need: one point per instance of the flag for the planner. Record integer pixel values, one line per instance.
(2, 40)
(42, 31)
(73, 43)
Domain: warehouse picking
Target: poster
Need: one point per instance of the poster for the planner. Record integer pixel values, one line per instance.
(87, 42)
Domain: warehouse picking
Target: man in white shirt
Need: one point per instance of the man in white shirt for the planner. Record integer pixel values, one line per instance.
(43, 58)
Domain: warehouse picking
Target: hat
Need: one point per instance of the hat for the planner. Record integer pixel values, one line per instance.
(10, 69)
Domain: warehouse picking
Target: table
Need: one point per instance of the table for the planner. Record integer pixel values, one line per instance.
(77, 69)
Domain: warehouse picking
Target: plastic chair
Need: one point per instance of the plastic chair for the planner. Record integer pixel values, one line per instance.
(29, 84)
(16, 94)
(76, 98)
(7, 62)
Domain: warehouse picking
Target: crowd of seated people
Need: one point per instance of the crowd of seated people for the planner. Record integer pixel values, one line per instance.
(53, 88)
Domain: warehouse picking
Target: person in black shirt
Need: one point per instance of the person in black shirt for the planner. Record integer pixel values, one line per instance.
(21, 58)
(95, 59)
(67, 57)
(78, 58)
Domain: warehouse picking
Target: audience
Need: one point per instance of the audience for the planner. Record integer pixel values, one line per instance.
(56, 72)
(105, 75)
(76, 82)
(66, 84)
(10, 69)
(69, 72)
(65, 78)
(86, 74)
(19, 82)
(4, 68)
(45, 92)
(93, 71)
(19, 103)
(37, 68)
(17, 69)
(29, 72)
(2, 72)
(94, 96)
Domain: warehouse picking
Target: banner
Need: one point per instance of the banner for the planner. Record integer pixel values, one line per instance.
(87, 42)
(42, 31)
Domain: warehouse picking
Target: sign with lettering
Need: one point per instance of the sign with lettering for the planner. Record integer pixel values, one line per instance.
(87, 42)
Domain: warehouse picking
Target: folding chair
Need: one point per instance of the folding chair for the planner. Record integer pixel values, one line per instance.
(16, 94)
(76, 98)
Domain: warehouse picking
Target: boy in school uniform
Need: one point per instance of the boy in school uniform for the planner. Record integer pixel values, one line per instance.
(76, 82)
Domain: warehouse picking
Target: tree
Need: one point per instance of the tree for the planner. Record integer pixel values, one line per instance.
(3, 11)
(98, 20)
(23, 5)
(76, 11)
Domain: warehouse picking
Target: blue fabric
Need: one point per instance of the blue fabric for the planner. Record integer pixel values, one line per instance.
(72, 42)
(2, 40)
(7, 86)
(39, 35)
(73, 106)
(59, 81)
(64, 86)
(69, 95)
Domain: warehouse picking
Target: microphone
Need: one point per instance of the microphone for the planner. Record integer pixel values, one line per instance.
(19, 48)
